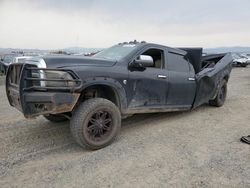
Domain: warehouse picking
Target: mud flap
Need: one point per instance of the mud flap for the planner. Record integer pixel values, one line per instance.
(209, 79)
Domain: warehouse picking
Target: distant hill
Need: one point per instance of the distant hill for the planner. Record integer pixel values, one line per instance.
(77, 50)
(10, 50)
(228, 49)
(70, 50)
(207, 50)
(81, 50)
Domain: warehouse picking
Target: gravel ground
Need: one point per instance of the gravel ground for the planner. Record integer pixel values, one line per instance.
(192, 149)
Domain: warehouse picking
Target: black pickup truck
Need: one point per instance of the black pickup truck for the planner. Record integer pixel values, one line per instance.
(96, 92)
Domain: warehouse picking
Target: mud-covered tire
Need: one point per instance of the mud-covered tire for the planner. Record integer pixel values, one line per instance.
(95, 123)
(55, 118)
(221, 95)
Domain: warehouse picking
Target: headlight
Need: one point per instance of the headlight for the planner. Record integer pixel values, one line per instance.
(53, 78)
(62, 79)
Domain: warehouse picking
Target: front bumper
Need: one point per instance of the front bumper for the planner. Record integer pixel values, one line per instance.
(39, 103)
(32, 100)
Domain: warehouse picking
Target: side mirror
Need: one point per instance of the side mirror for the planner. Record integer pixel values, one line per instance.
(143, 61)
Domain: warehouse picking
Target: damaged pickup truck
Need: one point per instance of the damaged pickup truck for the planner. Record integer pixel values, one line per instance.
(96, 92)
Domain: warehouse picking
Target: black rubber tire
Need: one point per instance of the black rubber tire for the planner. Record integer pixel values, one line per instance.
(81, 117)
(55, 118)
(221, 95)
(3, 70)
(243, 65)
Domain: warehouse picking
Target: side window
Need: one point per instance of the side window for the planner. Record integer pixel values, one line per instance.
(157, 56)
(177, 63)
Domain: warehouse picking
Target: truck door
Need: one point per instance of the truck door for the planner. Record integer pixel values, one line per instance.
(148, 87)
(182, 84)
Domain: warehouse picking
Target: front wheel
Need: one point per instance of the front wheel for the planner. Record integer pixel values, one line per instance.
(95, 123)
(221, 95)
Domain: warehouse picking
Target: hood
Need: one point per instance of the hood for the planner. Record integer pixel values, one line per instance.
(69, 61)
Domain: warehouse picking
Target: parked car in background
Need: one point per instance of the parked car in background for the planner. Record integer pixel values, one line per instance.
(20, 59)
(90, 53)
(240, 60)
(6, 60)
(247, 56)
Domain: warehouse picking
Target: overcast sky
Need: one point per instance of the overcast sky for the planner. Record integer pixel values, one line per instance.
(49, 24)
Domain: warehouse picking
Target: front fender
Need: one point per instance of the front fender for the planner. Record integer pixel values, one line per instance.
(114, 84)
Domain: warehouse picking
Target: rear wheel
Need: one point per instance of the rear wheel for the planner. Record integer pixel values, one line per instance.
(221, 95)
(55, 118)
(95, 123)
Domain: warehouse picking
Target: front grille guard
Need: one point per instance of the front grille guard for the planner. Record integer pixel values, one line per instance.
(14, 74)
(36, 100)
(28, 80)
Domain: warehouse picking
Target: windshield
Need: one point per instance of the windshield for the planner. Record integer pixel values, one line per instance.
(116, 52)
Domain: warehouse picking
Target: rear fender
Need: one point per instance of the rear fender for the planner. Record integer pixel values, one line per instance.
(209, 79)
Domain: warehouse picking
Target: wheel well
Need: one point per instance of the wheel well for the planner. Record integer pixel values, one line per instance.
(101, 91)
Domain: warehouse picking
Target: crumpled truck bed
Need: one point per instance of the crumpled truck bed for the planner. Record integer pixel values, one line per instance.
(209, 79)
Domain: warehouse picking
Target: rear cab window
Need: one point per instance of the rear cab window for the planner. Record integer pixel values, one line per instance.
(177, 63)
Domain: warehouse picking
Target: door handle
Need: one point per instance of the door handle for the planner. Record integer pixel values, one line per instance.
(162, 76)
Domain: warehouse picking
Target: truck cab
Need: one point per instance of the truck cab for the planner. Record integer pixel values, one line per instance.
(161, 83)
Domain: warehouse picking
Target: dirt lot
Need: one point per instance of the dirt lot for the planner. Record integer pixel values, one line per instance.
(192, 149)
